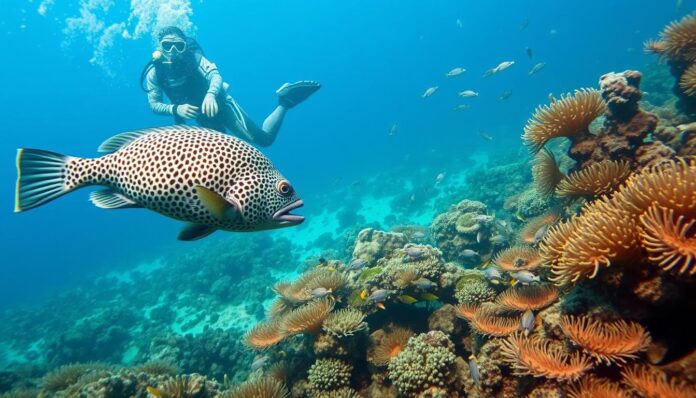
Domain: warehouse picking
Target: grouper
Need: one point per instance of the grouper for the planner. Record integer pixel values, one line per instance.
(209, 180)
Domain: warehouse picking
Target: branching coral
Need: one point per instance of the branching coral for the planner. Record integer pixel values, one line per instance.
(427, 362)
(390, 345)
(518, 258)
(531, 297)
(528, 233)
(267, 387)
(652, 382)
(565, 117)
(594, 387)
(264, 335)
(345, 322)
(492, 320)
(670, 243)
(545, 173)
(609, 342)
(594, 180)
(538, 357)
(308, 318)
(329, 374)
(687, 82)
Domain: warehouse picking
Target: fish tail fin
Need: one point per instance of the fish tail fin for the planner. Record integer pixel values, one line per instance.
(41, 177)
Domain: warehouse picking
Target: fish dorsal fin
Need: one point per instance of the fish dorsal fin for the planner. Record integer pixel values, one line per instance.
(119, 141)
(195, 231)
(216, 204)
(108, 199)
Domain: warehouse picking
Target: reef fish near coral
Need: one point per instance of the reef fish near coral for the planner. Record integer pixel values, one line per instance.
(209, 179)
(524, 277)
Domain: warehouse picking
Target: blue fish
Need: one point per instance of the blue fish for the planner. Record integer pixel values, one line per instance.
(493, 274)
(474, 370)
(528, 322)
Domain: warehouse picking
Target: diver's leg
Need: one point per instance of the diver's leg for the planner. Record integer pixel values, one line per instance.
(241, 124)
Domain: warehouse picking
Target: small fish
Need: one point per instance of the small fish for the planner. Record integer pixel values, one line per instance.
(459, 23)
(537, 68)
(530, 54)
(501, 67)
(524, 277)
(415, 252)
(485, 135)
(320, 292)
(483, 218)
(455, 72)
(502, 223)
(468, 253)
(418, 235)
(461, 107)
(505, 95)
(498, 239)
(474, 370)
(379, 295)
(528, 322)
(405, 298)
(429, 92)
(440, 177)
(540, 233)
(363, 294)
(259, 362)
(424, 283)
(356, 264)
(519, 216)
(428, 297)
(322, 260)
(155, 391)
(468, 94)
(393, 129)
(493, 274)
(479, 237)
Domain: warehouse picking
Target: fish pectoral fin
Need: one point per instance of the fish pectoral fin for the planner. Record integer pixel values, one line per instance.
(216, 204)
(108, 199)
(195, 231)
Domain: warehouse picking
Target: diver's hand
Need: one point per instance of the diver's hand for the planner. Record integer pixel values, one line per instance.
(187, 111)
(210, 106)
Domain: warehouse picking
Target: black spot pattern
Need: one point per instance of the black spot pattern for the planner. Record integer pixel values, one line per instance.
(160, 171)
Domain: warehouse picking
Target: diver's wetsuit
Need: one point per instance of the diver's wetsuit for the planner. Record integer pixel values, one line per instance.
(188, 83)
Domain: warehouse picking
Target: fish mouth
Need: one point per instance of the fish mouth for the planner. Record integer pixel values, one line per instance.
(284, 217)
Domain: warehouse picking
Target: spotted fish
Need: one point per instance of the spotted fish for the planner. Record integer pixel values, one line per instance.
(208, 179)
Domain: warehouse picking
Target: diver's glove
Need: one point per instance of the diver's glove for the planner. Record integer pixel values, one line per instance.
(210, 105)
(186, 111)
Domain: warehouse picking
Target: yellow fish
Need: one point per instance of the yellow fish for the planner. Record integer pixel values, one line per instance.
(428, 297)
(486, 264)
(363, 294)
(154, 391)
(407, 299)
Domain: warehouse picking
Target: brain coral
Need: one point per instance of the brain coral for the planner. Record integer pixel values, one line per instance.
(329, 374)
(428, 361)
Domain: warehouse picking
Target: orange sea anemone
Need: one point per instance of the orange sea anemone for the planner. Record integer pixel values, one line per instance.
(565, 117)
(267, 387)
(538, 357)
(594, 387)
(552, 247)
(466, 310)
(324, 278)
(594, 180)
(608, 342)
(654, 47)
(545, 173)
(687, 82)
(670, 243)
(308, 318)
(264, 335)
(678, 39)
(533, 225)
(601, 235)
(518, 258)
(492, 320)
(390, 346)
(649, 381)
(531, 297)
(279, 307)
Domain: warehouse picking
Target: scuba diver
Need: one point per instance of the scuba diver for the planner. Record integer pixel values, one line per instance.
(196, 90)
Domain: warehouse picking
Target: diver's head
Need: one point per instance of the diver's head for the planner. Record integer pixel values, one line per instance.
(172, 43)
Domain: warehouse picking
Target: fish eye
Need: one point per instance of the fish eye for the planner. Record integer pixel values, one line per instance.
(284, 187)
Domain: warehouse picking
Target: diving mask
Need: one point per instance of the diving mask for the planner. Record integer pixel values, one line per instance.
(170, 46)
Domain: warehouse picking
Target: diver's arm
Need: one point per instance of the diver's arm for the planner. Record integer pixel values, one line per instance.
(211, 74)
(154, 96)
